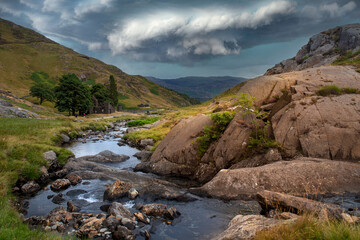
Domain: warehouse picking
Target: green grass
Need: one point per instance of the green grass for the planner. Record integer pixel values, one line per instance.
(154, 91)
(309, 227)
(22, 144)
(142, 122)
(335, 90)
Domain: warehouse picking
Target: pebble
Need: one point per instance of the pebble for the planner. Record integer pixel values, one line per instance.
(103, 230)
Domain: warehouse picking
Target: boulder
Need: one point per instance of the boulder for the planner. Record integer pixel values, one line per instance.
(106, 157)
(142, 218)
(144, 155)
(119, 211)
(147, 142)
(246, 227)
(133, 193)
(297, 177)
(177, 155)
(283, 202)
(117, 190)
(30, 187)
(60, 184)
(71, 207)
(65, 138)
(160, 210)
(122, 233)
(73, 178)
(90, 227)
(111, 222)
(50, 156)
(58, 199)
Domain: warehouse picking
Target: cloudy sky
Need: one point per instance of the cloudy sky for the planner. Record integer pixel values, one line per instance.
(172, 38)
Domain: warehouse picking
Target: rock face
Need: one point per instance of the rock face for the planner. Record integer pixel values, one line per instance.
(323, 48)
(245, 227)
(272, 200)
(230, 148)
(117, 190)
(9, 110)
(176, 155)
(296, 177)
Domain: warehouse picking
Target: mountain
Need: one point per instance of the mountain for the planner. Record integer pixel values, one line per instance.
(339, 45)
(27, 57)
(201, 88)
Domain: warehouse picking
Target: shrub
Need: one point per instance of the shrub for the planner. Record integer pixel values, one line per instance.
(260, 139)
(329, 90)
(212, 133)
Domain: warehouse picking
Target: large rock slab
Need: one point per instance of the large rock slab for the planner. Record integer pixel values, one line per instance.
(284, 202)
(245, 227)
(297, 177)
(177, 155)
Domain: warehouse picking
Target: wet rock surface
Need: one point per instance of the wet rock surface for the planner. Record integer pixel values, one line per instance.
(117, 190)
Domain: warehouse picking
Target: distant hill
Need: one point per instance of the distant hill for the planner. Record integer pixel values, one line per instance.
(27, 57)
(201, 88)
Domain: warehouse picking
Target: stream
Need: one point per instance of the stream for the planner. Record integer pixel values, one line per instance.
(201, 219)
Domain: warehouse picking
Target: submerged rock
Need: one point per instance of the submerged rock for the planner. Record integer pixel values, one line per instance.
(122, 233)
(58, 199)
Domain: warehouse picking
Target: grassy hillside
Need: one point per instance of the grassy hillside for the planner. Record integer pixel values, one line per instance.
(201, 88)
(27, 57)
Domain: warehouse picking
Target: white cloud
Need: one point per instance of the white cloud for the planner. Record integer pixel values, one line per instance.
(334, 10)
(194, 29)
(91, 6)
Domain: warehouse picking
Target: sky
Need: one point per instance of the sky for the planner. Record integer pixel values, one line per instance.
(172, 38)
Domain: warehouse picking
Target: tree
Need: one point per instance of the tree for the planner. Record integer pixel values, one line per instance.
(72, 95)
(43, 91)
(100, 92)
(113, 91)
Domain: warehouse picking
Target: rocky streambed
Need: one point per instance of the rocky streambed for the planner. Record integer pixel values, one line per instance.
(103, 198)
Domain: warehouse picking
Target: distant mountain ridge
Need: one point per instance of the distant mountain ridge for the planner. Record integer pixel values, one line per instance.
(27, 57)
(201, 88)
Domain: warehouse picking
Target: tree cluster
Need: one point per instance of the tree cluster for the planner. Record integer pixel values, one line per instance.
(74, 96)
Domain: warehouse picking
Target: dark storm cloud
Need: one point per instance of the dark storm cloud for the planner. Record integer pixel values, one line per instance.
(180, 32)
